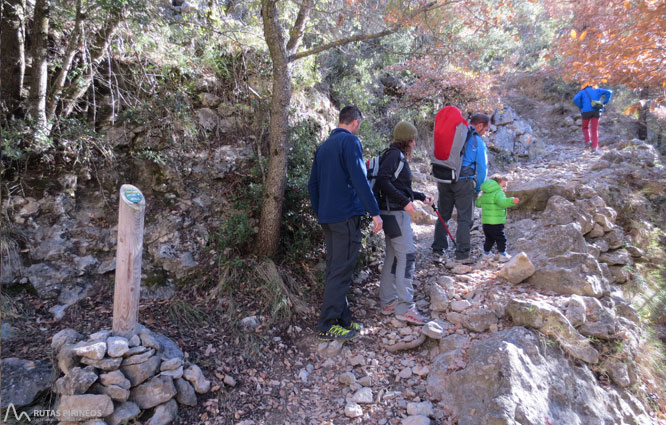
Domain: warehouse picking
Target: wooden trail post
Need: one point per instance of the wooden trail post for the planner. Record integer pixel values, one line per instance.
(127, 289)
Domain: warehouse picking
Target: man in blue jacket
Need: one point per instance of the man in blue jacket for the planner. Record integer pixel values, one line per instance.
(340, 194)
(463, 192)
(591, 102)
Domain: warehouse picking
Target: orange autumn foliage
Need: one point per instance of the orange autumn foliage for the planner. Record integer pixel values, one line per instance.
(617, 42)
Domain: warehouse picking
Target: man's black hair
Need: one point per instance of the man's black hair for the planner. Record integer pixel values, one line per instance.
(349, 114)
(479, 119)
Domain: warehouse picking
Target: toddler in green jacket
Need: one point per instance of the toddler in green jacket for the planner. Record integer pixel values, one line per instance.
(493, 203)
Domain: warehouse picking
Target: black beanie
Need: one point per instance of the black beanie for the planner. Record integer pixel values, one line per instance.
(404, 132)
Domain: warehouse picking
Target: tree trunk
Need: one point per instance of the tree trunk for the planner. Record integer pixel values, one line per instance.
(97, 51)
(39, 77)
(271, 210)
(12, 52)
(643, 114)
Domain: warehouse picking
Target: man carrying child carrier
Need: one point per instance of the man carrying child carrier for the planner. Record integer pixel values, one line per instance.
(458, 184)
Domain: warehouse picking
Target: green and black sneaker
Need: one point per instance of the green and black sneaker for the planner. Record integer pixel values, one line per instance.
(355, 326)
(337, 333)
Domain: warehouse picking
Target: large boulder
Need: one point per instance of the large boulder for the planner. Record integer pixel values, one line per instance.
(24, 380)
(543, 243)
(573, 273)
(513, 377)
(534, 194)
(560, 211)
(517, 269)
(550, 321)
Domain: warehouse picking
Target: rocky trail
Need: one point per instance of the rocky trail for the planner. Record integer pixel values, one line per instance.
(448, 378)
(549, 338)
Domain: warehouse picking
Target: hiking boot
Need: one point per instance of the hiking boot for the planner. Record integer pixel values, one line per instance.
(438, 252)
(588, 145)
(466, 260)
(337, 333)
(503, 257)
(354, 326)
(389, 308)
(412, 316)
(596, 151)
(487, 256)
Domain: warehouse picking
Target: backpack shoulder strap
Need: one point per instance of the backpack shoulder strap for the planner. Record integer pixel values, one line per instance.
(401, 164)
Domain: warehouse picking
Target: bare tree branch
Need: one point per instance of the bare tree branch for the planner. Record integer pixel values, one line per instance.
(296, 33)
(364, 37)
(70, 52)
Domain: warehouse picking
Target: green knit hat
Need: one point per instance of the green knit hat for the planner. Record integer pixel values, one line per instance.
(404, 132)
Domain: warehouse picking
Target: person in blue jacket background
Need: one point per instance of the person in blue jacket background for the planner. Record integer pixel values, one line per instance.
(464, 191)
(340, 194)
(591, 101)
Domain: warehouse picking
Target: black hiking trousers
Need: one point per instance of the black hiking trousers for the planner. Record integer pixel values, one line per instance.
(343, 242)
(494, 234)
(460, 194)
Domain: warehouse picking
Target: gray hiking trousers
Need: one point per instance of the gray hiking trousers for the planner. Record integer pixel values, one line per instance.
(460, 194)
(398, 270)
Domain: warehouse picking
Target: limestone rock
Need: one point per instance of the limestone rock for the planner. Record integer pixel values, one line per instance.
(196, 377)
(614, 239)
(155, 391)
(363, 396)
(76, 408)
(164, 413)
(114, 378)
(106, 364)
(439, 300)
(575, 312)
(171, 364)
(250, 323)
(423, 408)
(76, 381)
(432, 330)
(618, 372)
(513, 377)
(353, 410)
(138, 373)
(549, 320)
(94, 350)
(416, 420)
(148, 339)
(517, 269)
(620, 274)
(479, 319)
(123, 413)
(65, 336)
(138, 358)
(66, 358)
(23, 380)
(560, 211)
(185, 393)
(573, 273)
(614, 258)
(117, 346)
(460, 305)
(116, 392)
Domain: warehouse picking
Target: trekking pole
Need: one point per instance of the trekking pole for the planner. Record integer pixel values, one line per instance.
(444, 224)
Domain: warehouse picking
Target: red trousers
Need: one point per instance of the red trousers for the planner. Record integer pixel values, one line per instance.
(591, 132)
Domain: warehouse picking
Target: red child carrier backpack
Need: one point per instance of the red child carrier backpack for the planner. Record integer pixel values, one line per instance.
(450, 141)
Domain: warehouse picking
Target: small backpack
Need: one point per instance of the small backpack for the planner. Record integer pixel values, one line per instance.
(373, 167)
(449, 143)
